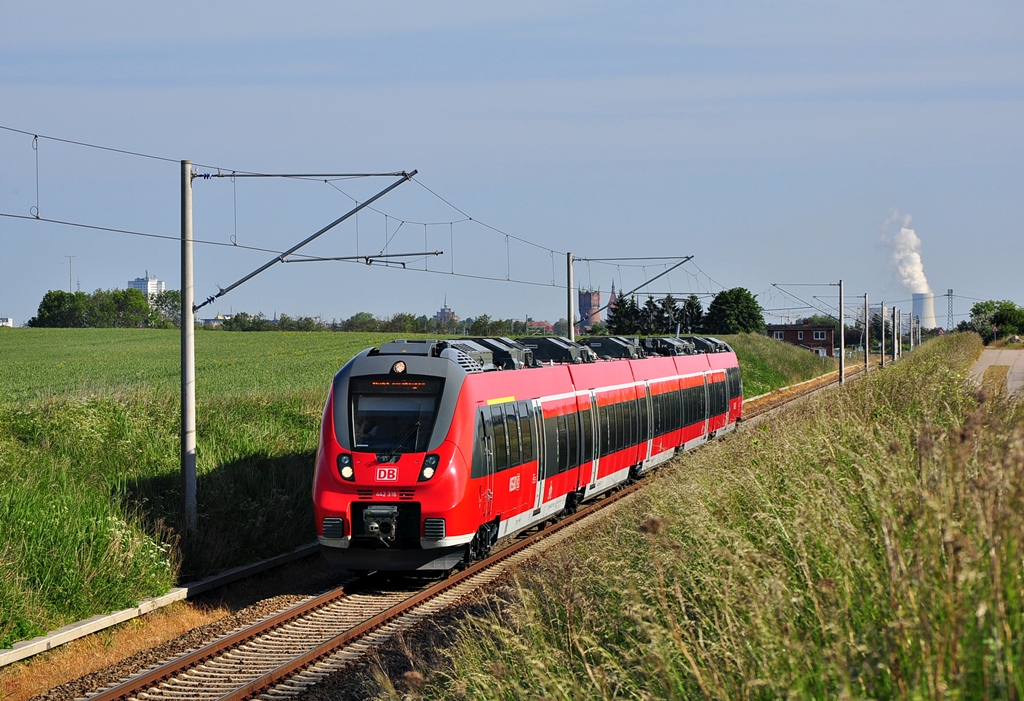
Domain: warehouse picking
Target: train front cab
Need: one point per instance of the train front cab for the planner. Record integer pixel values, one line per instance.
(393, 500)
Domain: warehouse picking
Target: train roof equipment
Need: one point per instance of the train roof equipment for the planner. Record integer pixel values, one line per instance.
(508, 354)
(709, 344)
(608, 347)
(658, 345)
(557, 349)
(472, 356)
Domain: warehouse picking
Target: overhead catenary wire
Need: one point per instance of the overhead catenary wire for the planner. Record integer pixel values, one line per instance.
(232, 174)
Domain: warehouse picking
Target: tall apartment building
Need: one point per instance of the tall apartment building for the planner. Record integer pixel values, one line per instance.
(148, 285)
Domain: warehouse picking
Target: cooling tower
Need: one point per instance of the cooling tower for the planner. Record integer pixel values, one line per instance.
(924, 309)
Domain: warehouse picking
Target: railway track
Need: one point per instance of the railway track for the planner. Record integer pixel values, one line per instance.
(287, 653)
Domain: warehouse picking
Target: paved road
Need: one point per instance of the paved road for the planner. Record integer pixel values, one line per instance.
(1012, 358)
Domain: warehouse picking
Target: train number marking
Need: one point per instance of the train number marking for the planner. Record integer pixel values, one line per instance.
(513, 483)
(387, 474)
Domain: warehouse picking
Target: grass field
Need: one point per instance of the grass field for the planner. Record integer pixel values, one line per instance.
(868, 546)
(89, 458)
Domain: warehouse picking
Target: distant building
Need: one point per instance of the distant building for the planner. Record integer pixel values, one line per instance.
(6, 321)
(590, 309)
(540, 327)
(149, 286)
(817, 338)
(216, 321)
(446, 316)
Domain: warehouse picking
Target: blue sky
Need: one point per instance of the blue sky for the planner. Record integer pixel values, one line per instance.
(769, 141)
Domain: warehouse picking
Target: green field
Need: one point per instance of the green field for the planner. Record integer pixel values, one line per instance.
(41, 363)
(89, 457)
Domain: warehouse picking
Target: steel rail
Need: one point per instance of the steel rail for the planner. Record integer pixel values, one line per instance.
(130, 688)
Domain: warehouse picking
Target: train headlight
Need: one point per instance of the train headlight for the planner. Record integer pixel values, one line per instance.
(430, 464)
(345, 467)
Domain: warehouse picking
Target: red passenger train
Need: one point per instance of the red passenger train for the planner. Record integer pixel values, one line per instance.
(429, 454)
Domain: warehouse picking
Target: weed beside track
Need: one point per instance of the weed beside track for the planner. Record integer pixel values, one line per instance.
(866, 544)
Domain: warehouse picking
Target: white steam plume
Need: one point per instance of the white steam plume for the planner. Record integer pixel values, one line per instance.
(906, 255)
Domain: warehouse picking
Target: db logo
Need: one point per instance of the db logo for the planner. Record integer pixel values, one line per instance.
(513, 483)
(387, 474)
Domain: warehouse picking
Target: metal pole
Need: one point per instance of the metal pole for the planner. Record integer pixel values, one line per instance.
(881, 316)
(842, 338)
(568, 292)
(188, 356)
(867, 335)
(899, 326)
(895, 334)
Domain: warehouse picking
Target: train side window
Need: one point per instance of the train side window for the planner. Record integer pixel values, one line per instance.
(628, 418)
(500, 438)
(588, 435)
(574, 445)
(645, 415)
(604, 428)
(656, 406)
(512, 425)
(526, 431)
(616, 426)
(551, 447)
(563, 445)
(479, 446)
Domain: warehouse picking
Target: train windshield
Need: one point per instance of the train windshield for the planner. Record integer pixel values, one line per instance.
(393, 414)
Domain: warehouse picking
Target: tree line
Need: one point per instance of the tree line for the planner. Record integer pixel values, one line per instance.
(120, 309)
(731, 311)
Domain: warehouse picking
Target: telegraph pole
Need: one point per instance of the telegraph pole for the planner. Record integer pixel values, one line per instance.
(881, 316)
(867, 334)
(188, 356)
(842, 338)
(69, 273)
(895, 334)
(568, 293)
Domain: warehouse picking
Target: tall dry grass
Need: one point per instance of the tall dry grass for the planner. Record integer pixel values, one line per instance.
(868, 544)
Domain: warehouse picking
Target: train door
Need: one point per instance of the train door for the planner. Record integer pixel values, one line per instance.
(537, 424)
(486, 469)
(705, 403)
(646, 422)
(528, 442)
(595, 439)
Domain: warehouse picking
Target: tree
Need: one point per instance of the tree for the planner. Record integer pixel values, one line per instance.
(59, 309)
(402, 323)
(822, 320)
(670, 314)
(121, 309)
(626, 320)
(362, 321)
(991, 319)
(734, 311)
(480, 326)
(691, 315)
(243, 321)
(651, 321)
(166, 306)
(101, 309)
